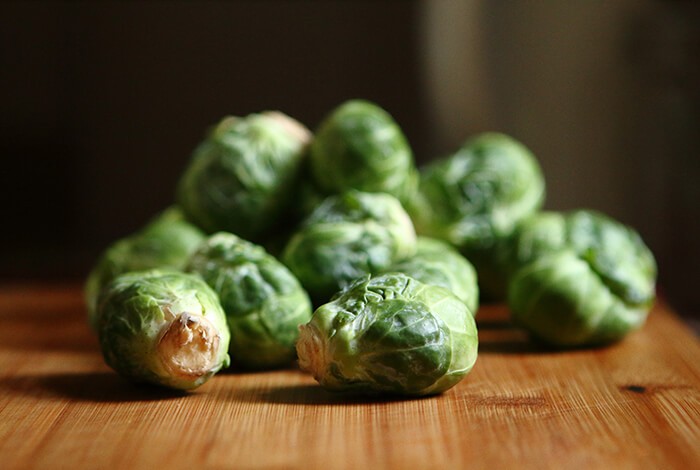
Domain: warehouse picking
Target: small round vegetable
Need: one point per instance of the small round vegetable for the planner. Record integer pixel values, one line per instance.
(163, 327)
(360, 146)
(263, 301)
(474, 198)
(166, 242)
(390, 334)
(580, 279)
(438, 263)
(242, 176)
(346, 237)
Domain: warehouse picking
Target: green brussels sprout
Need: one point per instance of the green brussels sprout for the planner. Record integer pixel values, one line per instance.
(242, 177)
(390, 334)
(166, 242)
(163, 327)
(474, 199)
(580, 278)
(438, 263)
(360, 146)
(263, 301)
(346, 237)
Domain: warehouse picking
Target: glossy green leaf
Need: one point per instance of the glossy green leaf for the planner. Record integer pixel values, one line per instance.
(163, 327)
(263, 301)
(346, 237)
(390, 334)
(242, 177)
(579, 278)
(474, 198)
(438, 263)
(360, 146)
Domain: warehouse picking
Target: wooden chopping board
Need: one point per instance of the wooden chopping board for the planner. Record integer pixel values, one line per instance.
(632, 405)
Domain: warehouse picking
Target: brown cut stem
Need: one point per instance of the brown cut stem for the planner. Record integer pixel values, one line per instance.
(188, 346)
(311, 352)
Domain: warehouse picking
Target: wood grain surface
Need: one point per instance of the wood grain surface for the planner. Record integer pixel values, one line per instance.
(632, 405)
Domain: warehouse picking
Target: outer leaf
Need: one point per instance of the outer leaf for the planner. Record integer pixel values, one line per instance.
(263, 301)
(163, 327)
(242, 177)
(579, 278)
(349, 236)
(562, 301)
(360, 146)
(474, 198)
(438, 263)
(390, 334)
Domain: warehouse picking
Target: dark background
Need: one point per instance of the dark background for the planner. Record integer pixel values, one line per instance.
(102, 104)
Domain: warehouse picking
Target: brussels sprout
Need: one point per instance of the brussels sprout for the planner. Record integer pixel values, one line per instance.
(438, 263)
(166, 242)
(346, 237)
(390, 334)
(263, 301)
(580, 278)
(163, 327)
(474, 199)
(242, 177)
(359, 146)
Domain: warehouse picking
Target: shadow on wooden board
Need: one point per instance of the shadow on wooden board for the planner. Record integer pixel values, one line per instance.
(98, 387)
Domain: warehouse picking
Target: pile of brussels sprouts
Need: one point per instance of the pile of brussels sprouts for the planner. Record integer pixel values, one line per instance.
(271, 221)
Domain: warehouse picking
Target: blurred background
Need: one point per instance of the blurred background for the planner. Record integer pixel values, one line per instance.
(103, 102)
